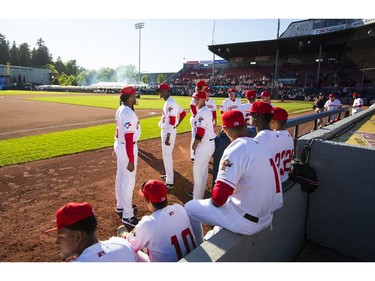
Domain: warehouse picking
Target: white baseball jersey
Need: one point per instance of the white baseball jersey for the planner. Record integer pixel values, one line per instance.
(332, 105)
(166, 234)
(228, 104)
(170, 108)
(245, 109)
(115, 249)
(126, 122)
(247, 168)
(285, 155)
(357, 105)
(210, 103)
(203, 119)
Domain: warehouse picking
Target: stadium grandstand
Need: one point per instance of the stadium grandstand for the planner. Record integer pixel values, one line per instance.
(310, 56)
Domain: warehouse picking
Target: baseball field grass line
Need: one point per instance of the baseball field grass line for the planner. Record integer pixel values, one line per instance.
(33, 148)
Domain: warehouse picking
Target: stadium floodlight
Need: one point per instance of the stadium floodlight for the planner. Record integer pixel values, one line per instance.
(139, 26)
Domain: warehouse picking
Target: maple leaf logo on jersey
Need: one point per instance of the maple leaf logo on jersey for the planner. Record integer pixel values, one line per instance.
(101, 253)
(127, 125)
(170, 108)
(226, 163)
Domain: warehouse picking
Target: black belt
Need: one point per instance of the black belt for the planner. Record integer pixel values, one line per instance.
(251, 218)
(211, 139)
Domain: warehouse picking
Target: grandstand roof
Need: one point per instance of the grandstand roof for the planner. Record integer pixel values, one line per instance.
(333, 41)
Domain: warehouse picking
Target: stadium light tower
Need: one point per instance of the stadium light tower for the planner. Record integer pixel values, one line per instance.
(139, 26)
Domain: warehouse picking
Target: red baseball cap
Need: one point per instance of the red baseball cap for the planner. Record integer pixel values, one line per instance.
(199, 95)
(70, 214)
(355, 94)
(265, 94)
(231, 90)
(208, 89)
(232, 118)
(128, 90)
(280, 114)
(201, 84)
(261, 107)
(163, 87)
(250, 94)
(154, 191)
(332, 95)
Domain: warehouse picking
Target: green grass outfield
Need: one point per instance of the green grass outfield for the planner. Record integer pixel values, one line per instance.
(32, 148)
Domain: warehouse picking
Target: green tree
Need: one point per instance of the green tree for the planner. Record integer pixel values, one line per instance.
(89, 76)
(63, 79)
(81, 80)
(60, 66)
(54, 74)
(24, 55)
(145, 79)
(127, 73)
(107, 74)
(4, 50)
(41, 56)
(13, 55)
(161, 78)
(71, 68)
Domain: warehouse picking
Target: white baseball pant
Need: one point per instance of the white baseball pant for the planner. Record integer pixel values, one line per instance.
(167, 151)
(125, 180)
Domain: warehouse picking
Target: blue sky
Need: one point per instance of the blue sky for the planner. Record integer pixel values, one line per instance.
(165, 43)
(102, 34)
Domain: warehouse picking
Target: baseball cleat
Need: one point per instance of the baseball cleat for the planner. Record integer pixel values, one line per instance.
(119, 212)
(163, 177)
(190, 193)
(169, 186)
(130, 223)
(122, 231)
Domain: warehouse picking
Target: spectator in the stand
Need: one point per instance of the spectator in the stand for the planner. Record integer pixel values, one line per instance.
(266, 97)
(199, 86)
(231, 102)
(332, 104)
(357, 104)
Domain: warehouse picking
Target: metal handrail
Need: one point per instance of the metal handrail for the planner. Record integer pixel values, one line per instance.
(295, 122)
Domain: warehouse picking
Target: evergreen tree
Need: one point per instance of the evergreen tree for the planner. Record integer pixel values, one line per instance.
(13, 55)
(24, 55)
(4, 50)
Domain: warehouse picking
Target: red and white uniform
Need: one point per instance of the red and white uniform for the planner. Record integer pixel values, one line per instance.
(115, 249)
(332, 105)
(228, 105)
(245, 109)
(210, 103)
(167, 123)
(204, 128)
(128, 132)
(166, 234)
(269, 140)
(193, 111)
(357, 105)
(250, 178)
(284, 157)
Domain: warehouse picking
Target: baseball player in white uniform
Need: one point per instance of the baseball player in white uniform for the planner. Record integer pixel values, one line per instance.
(357, 104)
(245, 109)
(172, 116)
(266, 97)
(231, 102)
(332, 104)
(199, 86)
(76, 237)
(128, 132)
(166, 235)
(261, 114)
(203, 145)
(245, 191)
(285, 142)
(210, 103)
